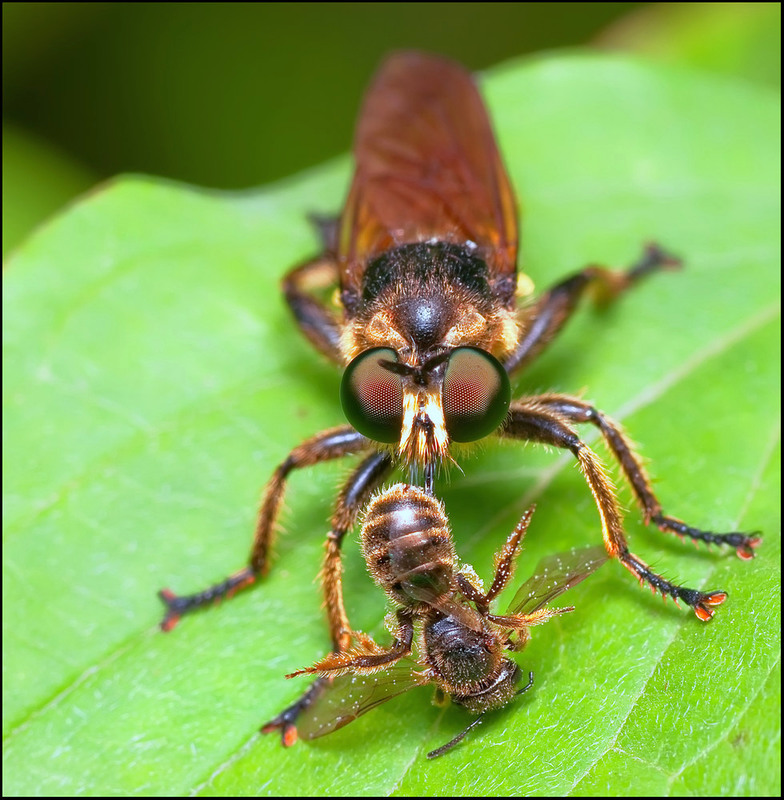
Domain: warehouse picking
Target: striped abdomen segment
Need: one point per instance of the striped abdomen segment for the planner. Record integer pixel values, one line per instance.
(407, 545)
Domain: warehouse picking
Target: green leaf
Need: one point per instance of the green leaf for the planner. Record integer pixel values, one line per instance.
(37, 181)
(740, 39)
(153, 379)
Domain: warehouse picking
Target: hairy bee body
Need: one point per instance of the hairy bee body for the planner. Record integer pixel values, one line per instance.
(407, 545)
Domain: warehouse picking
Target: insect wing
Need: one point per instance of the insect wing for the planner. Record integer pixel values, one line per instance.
(464, 615)
(554, 575)
(426, 591)
(350, 696)
(427, 166)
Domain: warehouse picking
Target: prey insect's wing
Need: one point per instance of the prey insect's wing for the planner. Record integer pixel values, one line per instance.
(465, 615)
(427, 167)
(350, 696)
(554, 575)
(427, 593)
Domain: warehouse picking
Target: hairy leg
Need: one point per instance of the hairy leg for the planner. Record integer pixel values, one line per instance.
(544, 321)
(532, 422)
(318, 322)
(576, 411)
(325, 446)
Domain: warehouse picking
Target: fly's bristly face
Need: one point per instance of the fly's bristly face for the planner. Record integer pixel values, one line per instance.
(424, 349)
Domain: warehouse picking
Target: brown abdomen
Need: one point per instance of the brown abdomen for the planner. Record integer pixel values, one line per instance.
(407, 545)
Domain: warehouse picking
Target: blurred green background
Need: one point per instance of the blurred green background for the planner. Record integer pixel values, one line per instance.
(234, 95)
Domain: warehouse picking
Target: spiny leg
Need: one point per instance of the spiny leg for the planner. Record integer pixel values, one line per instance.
(366, 658)
(504, 568)
(320, 325)
(519, 621)
(365, 479)
(575, 410)
(511, 621)
(551, 311)
(530, 422)
(361, 661)
(353, 497)
(505, 559)
(325, 446)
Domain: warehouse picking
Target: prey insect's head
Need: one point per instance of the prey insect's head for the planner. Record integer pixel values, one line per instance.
(460, 394)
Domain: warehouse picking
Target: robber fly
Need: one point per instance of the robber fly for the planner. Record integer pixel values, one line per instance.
(428, 329)
(410, 554)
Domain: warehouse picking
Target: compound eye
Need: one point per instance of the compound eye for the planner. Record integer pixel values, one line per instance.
(476, 394)
(372, 395)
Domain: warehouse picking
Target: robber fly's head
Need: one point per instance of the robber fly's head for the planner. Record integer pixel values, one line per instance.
(423, 352)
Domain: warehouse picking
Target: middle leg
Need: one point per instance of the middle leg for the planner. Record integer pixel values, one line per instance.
(367, 658)
(365, 479)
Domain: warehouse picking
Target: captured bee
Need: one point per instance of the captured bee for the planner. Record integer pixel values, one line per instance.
(428, 328)
(410, 554)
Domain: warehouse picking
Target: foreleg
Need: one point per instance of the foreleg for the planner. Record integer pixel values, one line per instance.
(529, 421)
(353, 497)
(367, 477)
(576, 411)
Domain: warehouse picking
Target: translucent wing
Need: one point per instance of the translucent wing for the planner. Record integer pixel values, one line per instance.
(427, 166)
(554, 575)
(463, 614)
(350, 696)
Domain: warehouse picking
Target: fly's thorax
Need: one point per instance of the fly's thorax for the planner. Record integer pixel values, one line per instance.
(407, 545)
(423, 297)
(469, 663)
